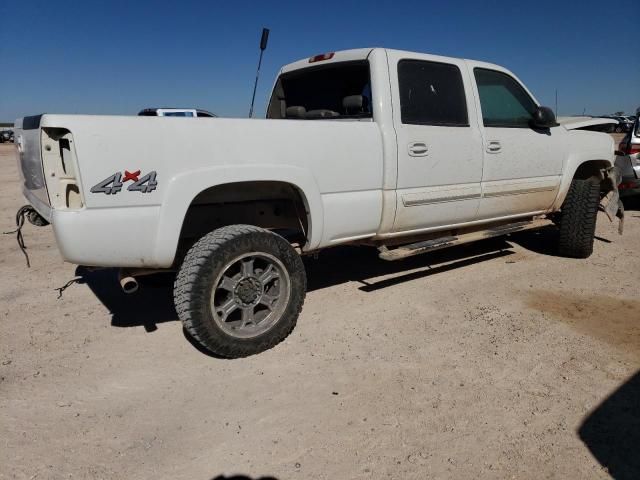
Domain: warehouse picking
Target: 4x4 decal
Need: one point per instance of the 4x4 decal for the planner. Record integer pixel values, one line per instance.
(113, 184)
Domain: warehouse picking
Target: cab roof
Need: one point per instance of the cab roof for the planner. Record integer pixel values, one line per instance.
(363, 53)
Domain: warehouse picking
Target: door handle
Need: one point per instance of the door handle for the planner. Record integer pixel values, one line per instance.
(493, 146)
(418, 149)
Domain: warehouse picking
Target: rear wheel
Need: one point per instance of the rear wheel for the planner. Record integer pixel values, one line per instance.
(240, 290)
(578, 219)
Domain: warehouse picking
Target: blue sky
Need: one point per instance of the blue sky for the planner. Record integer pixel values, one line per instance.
(117, 57)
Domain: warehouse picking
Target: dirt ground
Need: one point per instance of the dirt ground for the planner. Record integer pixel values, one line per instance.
(496, 360)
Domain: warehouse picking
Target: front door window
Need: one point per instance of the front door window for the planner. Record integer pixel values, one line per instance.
(504, 102)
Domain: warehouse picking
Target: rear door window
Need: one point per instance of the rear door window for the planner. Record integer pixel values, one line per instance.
(503, 101)
(431, 93)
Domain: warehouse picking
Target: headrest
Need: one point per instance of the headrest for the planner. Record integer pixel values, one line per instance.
(295, 112)
(354, 102)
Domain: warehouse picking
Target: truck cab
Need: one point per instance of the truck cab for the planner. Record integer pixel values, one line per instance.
(459, 138)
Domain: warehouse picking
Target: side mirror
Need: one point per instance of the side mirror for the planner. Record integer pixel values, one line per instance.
(543, 117)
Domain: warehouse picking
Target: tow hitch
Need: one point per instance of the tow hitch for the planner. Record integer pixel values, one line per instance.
(26, 211)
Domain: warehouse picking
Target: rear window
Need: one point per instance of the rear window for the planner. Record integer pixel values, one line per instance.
(432, 93)
(339, 90)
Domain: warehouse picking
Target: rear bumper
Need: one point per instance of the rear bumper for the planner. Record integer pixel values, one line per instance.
(110, 237)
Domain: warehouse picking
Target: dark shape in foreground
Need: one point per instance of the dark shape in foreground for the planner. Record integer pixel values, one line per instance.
(612, 431)
(242, 477)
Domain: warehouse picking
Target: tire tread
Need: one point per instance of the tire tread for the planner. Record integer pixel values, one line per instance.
(191, 298)
(578, 219)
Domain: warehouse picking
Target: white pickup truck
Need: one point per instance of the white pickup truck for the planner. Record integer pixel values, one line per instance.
(405, 151)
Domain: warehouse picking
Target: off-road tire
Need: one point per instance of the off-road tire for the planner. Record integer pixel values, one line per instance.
(194, 284)
(578, 219)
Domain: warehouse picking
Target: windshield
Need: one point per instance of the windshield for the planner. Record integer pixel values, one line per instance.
(339, 90)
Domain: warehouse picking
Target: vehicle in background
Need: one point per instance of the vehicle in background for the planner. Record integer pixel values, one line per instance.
(6, 136)
(589, 123)
(624, 123)
(629, 120)
(175, 112)
(628, 161)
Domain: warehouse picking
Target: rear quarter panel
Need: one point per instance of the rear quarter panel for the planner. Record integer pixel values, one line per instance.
(336, 164)
(30, 167)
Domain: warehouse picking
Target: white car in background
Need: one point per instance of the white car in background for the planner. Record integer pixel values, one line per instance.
(628, 161)
(176, 112)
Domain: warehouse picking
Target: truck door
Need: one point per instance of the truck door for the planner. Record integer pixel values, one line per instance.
(438, 141)
(522, 165)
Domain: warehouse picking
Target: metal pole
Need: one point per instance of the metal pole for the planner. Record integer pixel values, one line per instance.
(255, 85)
(263, 45)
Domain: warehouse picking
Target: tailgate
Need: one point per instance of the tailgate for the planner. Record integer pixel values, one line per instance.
(27, 138)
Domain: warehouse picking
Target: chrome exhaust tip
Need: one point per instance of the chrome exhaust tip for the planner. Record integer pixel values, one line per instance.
(128, 283)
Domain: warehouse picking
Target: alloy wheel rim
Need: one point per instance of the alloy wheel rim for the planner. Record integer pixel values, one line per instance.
(250, 294)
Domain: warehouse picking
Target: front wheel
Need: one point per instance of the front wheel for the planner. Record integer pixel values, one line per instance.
(240, 290)
(577, 219)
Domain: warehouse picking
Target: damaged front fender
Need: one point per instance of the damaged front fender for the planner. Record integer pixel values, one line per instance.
(610, 203)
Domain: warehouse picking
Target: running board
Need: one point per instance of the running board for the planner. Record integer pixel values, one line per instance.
(443, 242)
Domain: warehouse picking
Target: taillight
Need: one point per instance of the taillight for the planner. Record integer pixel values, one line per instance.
(59, 164)
(321, 57)
(628, 148)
